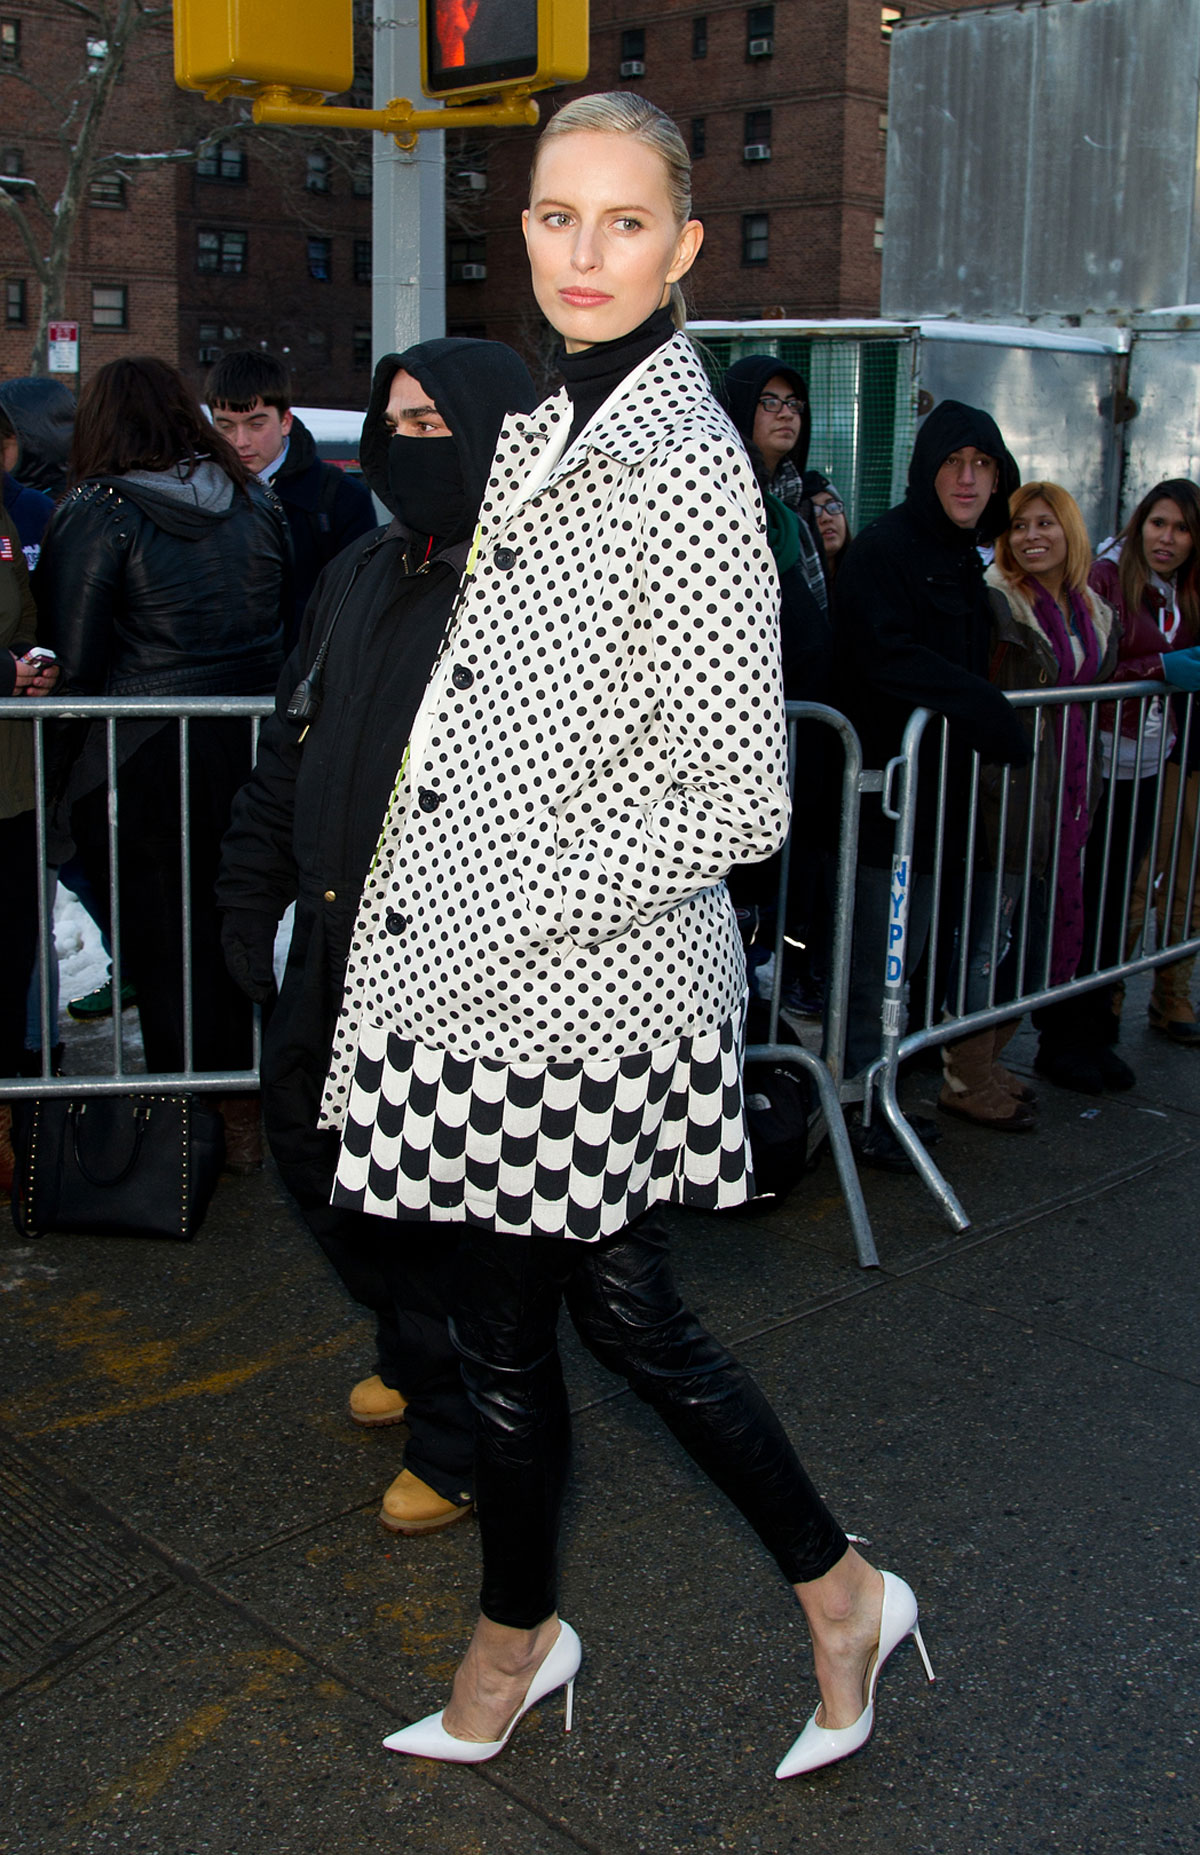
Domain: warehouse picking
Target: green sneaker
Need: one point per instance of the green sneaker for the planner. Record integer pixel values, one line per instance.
(99, 1004)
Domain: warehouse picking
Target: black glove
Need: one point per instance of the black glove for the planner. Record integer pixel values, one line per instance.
(248, 943)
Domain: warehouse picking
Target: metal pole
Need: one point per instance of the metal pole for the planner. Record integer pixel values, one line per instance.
(408, 220)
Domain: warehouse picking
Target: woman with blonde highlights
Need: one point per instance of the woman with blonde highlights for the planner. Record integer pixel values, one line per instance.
(543, 1020)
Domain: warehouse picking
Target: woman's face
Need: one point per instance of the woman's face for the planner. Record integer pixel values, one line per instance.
(831, 520)
(1038, 541)
(604, 247)
(1165, 538)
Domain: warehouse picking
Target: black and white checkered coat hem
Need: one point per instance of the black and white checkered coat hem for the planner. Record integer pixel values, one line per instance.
(572, 1149)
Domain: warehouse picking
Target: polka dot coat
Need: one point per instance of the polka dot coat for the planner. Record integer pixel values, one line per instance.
(601, 739)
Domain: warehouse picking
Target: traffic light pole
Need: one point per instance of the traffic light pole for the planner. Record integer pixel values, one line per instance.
(408, 299)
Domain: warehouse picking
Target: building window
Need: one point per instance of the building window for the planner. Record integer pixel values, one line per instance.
(467, 259)
(222, 251)
(879, 234)
(320, 259)
(14, 302)
(317, 171)
(756, 135)
(12, 161)
(211, 337)
(10, 41)
(362, 345)
(888, 17)
(110, 305)
(107, 190)
(700, 36)
(633, 53)
(883, 129)
(318, 341)
(760, 31)
(699, 136)
(756, 232)
(360, 180)
(224, 161)
(362, 260)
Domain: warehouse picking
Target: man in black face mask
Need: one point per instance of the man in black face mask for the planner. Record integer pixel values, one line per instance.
(304, 830)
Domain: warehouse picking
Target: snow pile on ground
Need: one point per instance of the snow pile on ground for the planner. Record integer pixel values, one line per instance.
(82, 961)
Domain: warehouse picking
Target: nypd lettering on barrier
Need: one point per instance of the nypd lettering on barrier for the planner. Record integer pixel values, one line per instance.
(898, 926)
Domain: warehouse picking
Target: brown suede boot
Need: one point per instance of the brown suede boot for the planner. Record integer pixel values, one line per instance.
(8, 1159)
(971, 1092)
(1003, 1036)
(242, 1115)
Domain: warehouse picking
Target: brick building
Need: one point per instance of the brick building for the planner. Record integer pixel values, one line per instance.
(266, 238)
(784, 108)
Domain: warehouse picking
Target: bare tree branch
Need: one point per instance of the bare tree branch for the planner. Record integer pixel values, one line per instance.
(25, 231)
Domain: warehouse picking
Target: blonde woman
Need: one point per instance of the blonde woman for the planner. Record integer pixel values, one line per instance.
(543, 1022)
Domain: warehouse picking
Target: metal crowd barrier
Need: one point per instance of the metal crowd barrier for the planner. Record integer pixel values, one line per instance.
(37, 712)
(945, 1016)
(826, 1067)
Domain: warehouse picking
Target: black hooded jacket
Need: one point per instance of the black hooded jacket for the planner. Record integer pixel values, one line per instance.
(306, 824)
(912, 628)
(804, 628)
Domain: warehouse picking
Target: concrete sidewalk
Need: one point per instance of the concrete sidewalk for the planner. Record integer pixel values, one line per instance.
(204, 1634)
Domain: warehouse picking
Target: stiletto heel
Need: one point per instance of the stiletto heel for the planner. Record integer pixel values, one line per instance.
(428, 1738)
(824, 1745)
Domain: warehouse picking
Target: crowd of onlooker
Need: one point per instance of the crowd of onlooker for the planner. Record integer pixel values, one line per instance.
(150, 549)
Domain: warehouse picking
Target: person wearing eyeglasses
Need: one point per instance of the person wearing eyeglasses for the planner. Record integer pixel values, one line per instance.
(829, 511)
(769, 405)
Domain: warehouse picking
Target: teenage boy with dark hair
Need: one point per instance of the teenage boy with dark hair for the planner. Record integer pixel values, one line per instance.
(249, 397)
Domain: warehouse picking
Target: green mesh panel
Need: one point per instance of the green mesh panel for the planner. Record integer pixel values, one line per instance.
(863, 412)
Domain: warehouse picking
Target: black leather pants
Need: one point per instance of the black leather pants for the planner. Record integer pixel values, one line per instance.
(622, 1298)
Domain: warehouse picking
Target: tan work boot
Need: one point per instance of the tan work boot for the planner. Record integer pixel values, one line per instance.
(1170, 1008)
(411, 1506)
(971, 1092)
(374, 1404)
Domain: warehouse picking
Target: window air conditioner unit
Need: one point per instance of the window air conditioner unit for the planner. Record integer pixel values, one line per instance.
(633, 67)
(470, 273)
(476, 181)
(756, 151)
(760, 48)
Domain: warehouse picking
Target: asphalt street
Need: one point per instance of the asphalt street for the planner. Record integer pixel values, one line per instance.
(204, 1634)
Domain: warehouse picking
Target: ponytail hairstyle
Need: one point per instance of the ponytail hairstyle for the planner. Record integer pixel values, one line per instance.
(619, 112)
(1135, 568)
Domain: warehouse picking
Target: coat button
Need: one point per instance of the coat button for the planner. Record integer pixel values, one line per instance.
(428, 800)
(505, 558)
(461, 677)
(394, 921)
(331, 895)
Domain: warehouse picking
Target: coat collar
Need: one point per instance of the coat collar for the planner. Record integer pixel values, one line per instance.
(629, 427)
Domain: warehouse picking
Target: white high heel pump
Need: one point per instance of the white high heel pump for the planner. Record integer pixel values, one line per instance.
(428, 1738)
(824, 1745)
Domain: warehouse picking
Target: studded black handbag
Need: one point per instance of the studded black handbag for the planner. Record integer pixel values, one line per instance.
(115, 1165)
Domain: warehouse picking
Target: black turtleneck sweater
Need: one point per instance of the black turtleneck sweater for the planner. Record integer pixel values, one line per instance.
(595, 372)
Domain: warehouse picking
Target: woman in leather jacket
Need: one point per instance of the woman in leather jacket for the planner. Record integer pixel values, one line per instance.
(165, 572)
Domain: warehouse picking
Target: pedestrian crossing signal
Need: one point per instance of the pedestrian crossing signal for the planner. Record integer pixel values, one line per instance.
(472, 48)
(307, 45)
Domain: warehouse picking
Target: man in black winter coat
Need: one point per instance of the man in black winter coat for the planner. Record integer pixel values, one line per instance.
(912, 630)
(249, 397)
(305, 829)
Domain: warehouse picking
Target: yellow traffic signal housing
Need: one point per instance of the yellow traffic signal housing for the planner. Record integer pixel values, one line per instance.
(473, 48)
(306, 44)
